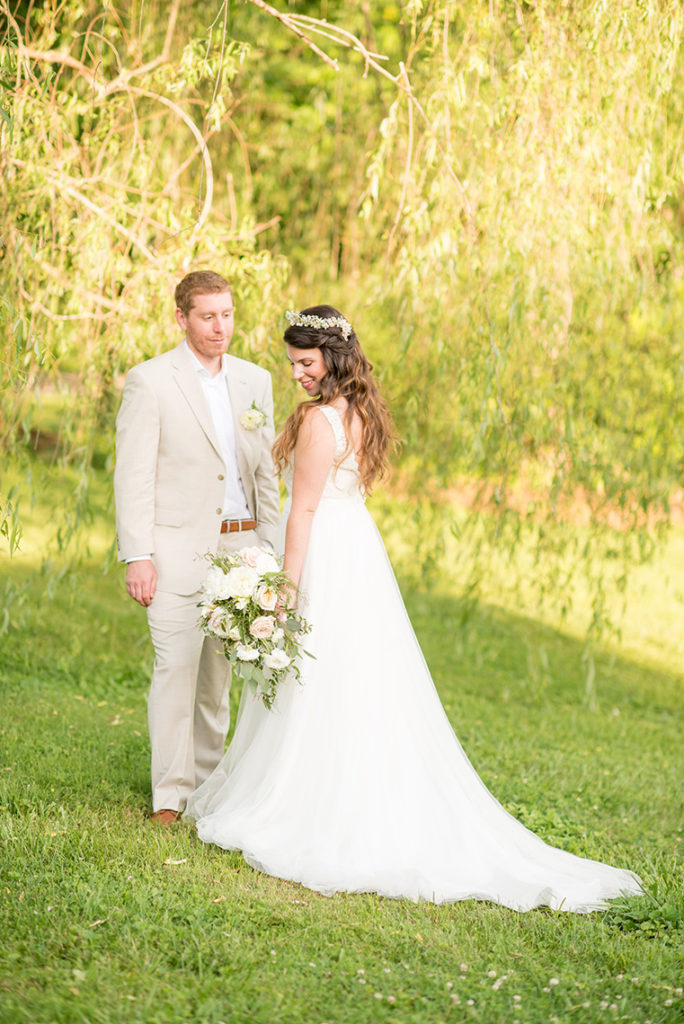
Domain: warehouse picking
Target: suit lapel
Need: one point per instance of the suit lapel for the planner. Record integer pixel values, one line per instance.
(185, 375)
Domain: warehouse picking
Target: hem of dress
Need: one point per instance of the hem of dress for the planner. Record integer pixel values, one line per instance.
(545, 901)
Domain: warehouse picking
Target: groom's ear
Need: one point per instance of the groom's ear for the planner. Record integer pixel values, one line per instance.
(180, 319)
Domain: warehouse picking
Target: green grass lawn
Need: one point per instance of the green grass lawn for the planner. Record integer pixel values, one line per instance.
(107, 919)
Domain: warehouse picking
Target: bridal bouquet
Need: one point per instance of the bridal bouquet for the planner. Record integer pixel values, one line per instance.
(246, 605)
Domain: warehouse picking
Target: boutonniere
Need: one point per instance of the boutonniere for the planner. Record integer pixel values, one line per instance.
(253, 418)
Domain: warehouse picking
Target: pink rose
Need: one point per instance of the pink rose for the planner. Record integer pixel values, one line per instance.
(262, 627)
(249, 555)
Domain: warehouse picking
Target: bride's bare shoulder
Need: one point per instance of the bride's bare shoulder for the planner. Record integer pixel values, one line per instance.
(314, 429)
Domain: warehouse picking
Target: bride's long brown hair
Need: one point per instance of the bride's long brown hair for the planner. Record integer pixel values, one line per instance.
(349, 375)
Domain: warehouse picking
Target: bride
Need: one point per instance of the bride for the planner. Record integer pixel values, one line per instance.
(355, 780)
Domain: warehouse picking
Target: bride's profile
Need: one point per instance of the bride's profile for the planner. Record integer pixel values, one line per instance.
(355, 780)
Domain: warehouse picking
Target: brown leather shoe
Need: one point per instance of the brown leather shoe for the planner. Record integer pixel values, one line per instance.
(165, 817)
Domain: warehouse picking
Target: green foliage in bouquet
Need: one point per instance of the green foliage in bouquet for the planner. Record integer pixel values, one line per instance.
(248, 605)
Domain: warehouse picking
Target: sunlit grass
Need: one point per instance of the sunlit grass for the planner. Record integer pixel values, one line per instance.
(642, 617)
(112, 920)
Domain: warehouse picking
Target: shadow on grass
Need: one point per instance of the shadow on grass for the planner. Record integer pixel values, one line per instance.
(76, 660)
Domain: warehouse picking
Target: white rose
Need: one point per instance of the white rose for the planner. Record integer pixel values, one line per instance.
(241, 581)
(216, 587)
(266, 562)
(253, 418)
(266, 597)
(249, 555)
(276, 659)
(262, 627)
(220, 621)
(245, 653)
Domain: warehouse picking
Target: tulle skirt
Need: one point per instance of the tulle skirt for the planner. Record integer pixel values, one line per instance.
(355, 780)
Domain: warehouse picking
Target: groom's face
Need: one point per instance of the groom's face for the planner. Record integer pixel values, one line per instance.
(208, 325)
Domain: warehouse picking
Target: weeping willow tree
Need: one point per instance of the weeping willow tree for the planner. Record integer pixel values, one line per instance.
(533, 265)
(494, 191)
(139, 141)
(108, 197)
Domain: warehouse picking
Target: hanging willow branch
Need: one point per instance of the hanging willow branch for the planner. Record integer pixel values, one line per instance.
(300, 24)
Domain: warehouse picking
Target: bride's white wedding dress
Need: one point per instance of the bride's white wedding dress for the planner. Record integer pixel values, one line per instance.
(355, 780)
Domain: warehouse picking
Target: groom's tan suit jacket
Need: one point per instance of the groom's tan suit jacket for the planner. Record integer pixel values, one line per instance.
(169, 477)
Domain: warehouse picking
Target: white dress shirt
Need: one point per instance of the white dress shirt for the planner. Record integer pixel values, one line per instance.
(218, 399)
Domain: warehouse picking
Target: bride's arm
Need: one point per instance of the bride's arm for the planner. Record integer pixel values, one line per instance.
(313, 457)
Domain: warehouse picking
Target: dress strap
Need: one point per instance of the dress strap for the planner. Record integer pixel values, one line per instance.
(333, 417)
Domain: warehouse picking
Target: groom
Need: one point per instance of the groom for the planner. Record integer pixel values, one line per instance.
(193, 474)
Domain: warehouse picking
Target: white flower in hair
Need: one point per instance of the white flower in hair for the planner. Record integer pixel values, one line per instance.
(321, 323)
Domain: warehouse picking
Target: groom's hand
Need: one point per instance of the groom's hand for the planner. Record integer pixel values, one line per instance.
(141, 581)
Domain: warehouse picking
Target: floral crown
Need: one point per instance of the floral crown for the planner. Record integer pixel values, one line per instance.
(322, 323)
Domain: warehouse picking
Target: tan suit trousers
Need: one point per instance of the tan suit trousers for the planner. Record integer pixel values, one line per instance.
(188, 709)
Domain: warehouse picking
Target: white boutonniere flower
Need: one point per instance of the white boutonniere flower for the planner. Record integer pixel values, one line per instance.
(253, 418)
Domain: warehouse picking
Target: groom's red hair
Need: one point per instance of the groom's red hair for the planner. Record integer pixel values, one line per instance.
(199, 282)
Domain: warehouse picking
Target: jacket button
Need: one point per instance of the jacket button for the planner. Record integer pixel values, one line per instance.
(219, 511)
(220, 476)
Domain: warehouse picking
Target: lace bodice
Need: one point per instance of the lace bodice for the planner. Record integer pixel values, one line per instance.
(344, 480)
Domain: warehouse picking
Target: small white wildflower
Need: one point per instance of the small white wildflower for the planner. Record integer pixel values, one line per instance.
(319, 322)
(377, 995)
(491, 974)
(517, 998)
(464, 967)
(470, 1002)
(277, 659)
(554, 981)
(245, 653)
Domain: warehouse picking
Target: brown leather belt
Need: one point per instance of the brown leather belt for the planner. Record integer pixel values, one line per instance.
(238, 525)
